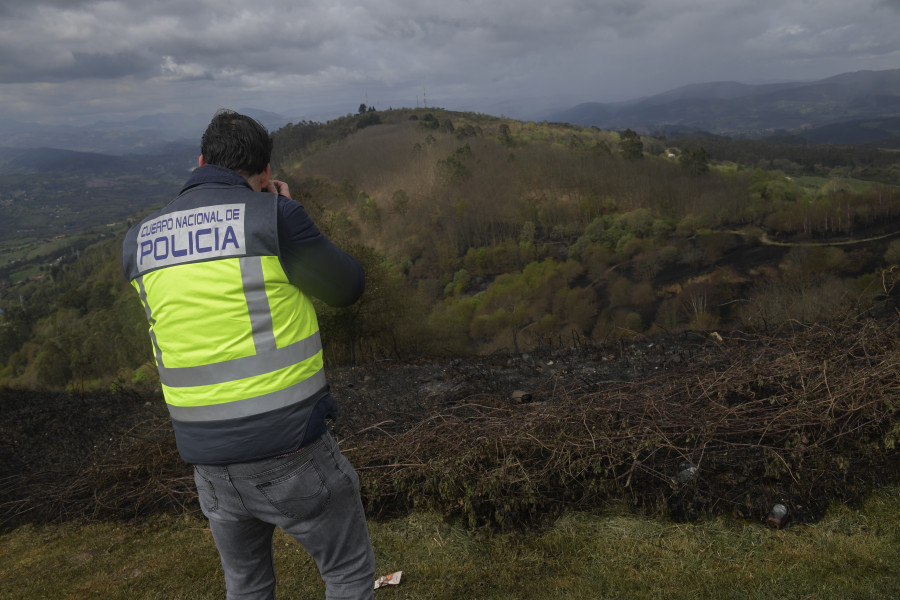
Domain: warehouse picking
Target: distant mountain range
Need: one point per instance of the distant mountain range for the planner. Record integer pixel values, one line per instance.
(860, 107)
(148, 134)
(851, 108)
(170, 157)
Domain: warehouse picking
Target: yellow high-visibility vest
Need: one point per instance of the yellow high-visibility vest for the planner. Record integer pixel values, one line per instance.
(237, 346)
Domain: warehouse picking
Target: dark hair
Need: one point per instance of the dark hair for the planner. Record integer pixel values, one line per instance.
(236, 142)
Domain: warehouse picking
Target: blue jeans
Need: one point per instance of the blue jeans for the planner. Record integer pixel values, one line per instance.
(313, 495)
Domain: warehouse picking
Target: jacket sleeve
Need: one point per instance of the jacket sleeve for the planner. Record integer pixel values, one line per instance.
(313, 262)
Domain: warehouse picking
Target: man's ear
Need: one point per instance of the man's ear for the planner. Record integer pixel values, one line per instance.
(265, 176)
(201, 161)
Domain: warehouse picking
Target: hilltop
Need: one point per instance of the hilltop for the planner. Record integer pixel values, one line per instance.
(533, 233)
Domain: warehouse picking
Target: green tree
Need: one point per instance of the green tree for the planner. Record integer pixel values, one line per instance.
(400, 202)
(601, 148)
(368, 210)
(631, 145)
(453, 169)
(347, 189)
(695, 161)
(429, 121)
(370, 118)
(892, 254)
(52, 365)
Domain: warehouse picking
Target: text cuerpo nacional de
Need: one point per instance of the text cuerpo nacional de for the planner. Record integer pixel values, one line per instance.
(188, 235)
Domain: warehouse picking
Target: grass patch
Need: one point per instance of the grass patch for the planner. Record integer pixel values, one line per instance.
(32, 253)
(817, 185)
(851, 553)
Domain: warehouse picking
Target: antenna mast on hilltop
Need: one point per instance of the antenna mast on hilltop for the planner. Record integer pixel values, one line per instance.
(424, 98)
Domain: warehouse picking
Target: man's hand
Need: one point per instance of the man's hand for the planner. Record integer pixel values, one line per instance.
(279, 187)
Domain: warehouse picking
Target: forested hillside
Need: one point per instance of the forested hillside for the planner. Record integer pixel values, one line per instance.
(481, 234)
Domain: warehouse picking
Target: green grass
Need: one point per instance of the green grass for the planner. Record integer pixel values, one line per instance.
(33, 248)
(851, 553)
(820, 185)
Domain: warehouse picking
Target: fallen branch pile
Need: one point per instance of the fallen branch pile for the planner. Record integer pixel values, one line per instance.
(802, 420)
(137, 473)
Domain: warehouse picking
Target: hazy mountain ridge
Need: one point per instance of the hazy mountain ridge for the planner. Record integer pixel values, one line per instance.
(147, 134)
(171, 156)
(139, 136)
(860, 131)
(732, 108)
(722, 107)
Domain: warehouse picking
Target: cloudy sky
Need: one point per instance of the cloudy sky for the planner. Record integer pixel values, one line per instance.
(83, 60)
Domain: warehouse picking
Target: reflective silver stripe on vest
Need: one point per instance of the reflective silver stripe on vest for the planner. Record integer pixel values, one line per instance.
(250, 406)
(240, 368)
(257, 303)
(143, 294)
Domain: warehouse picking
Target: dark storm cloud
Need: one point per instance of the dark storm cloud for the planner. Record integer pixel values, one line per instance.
(16, 7)
(84, 65)
(163, 54)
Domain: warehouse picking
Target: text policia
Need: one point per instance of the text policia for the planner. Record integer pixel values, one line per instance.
(189, 235)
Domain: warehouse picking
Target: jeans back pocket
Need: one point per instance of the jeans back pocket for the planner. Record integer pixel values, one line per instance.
(300, 494)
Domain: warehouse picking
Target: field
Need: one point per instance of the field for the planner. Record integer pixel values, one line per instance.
(851, 553)
(22, 259)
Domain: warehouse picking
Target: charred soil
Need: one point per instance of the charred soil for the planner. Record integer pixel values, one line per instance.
(688, 424)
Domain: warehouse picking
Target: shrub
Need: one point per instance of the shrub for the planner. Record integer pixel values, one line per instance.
(892, 254)
(806, 261)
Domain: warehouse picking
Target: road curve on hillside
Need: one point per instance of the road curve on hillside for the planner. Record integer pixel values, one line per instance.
(766, 240)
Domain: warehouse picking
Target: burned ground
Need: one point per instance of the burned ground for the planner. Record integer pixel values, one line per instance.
(57, 448)
(689, 424)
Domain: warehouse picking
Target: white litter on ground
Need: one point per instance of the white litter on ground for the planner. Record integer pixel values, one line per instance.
(392, 579)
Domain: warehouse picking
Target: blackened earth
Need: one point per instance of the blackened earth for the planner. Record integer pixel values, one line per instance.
(49, 439)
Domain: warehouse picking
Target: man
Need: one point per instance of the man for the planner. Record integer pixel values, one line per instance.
(225, 273)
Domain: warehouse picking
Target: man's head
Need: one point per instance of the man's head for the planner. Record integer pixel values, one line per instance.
(236, 142)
